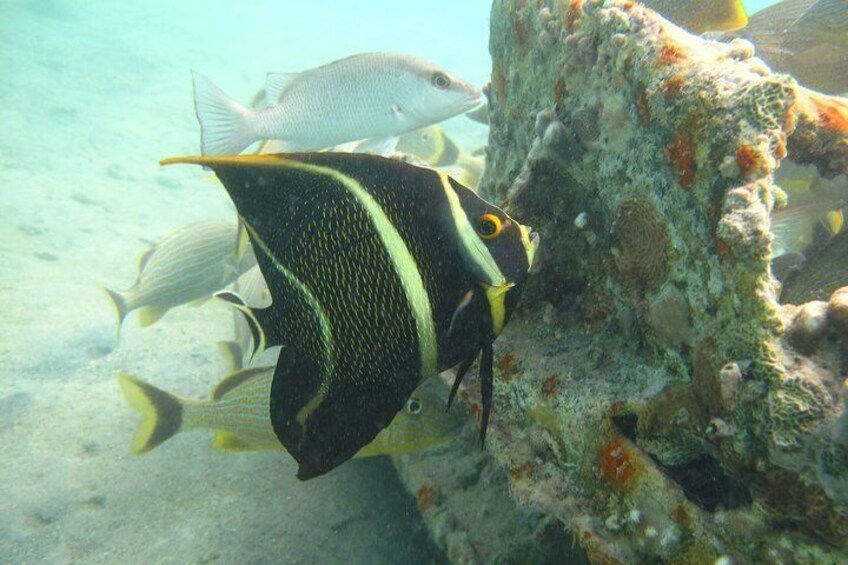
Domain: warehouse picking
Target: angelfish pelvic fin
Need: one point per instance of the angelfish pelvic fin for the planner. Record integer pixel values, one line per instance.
(486, 375)
(457, 380)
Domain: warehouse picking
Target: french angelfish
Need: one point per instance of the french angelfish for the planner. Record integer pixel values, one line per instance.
(238, 413)
(381, 274)
(188, 265)
(369, 95)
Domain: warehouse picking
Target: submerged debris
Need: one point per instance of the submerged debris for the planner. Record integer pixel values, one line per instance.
(692, 419)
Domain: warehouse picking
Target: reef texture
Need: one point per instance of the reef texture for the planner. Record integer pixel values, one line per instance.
(651, 394)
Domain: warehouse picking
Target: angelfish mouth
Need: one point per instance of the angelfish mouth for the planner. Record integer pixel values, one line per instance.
(531, 240)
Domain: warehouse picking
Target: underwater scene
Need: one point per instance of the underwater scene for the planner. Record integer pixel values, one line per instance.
(515, 282)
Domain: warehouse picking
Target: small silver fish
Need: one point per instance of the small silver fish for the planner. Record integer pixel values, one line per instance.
(370, 95)
(238, 412)
(188, 265)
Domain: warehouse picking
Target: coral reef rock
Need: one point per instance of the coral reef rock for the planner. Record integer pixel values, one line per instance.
(652, 397)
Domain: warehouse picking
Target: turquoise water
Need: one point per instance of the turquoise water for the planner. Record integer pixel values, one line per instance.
(93, 95)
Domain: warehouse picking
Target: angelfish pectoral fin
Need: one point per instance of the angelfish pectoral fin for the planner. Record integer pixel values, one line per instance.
(463, 303)
(486, 375)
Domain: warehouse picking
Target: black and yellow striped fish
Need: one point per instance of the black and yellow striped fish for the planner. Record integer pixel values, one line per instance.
(381, 274)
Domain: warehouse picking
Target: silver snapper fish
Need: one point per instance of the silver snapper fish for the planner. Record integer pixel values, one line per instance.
(189, 264)
(369, 95)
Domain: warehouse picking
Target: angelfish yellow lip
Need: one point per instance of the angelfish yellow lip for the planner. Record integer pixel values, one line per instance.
(530, 240)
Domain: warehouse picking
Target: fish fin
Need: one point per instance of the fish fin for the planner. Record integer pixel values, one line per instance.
(834, 220)
(242, 241)
(143, 257)
(457, 380)
(228, 441)
(238, 378)
(480, 114)
(257, 331)
(120, 305)
(149, 315)
(448, 151)
(276, 84)
(232, 355)
(486, 376)
(463, 303)
(383, 146)
(161, 412)
(224, 123)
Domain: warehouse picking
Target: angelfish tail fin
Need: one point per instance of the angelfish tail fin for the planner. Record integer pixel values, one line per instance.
(161, 412)
(225, 125)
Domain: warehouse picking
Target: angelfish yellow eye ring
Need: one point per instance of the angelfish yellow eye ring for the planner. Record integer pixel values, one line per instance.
(489, 226)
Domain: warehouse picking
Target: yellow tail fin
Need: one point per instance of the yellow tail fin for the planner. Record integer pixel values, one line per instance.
(161, 412)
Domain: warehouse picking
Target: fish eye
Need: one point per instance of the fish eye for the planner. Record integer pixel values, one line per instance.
(489, 226)
(413, 405)
(440, 80)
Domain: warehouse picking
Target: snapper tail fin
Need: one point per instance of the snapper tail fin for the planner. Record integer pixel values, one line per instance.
(161, 412)
(224, 123)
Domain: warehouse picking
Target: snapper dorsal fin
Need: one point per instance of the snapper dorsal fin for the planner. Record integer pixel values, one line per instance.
(276, 84)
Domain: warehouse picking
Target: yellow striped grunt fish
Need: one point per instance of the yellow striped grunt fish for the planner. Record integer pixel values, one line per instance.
(238, 413)
(382, 274)
(188, 265)
(699, 16)
(805, 38)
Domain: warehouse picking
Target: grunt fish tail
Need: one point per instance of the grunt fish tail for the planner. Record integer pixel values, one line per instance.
(162, 412)
(225, 125)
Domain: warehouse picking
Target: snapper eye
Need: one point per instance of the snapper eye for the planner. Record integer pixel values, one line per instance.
(413, 405)
(489, 226)
(440, 80)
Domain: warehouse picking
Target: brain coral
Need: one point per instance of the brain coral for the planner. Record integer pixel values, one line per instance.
(640, 244)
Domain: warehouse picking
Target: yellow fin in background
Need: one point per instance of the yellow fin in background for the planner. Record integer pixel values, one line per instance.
(228, 441)
(734, 17)
(149, 315)
(161, 412)
(834, 220)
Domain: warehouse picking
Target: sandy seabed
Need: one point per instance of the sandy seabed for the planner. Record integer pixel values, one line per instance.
(89, 102)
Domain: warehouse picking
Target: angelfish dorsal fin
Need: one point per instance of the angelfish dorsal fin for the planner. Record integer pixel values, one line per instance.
(276, 84)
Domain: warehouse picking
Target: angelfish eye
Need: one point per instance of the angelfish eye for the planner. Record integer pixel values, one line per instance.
(413, 405)
(440, 80)
(489, 226)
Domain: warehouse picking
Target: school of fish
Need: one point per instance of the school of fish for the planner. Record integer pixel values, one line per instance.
(361, 248)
